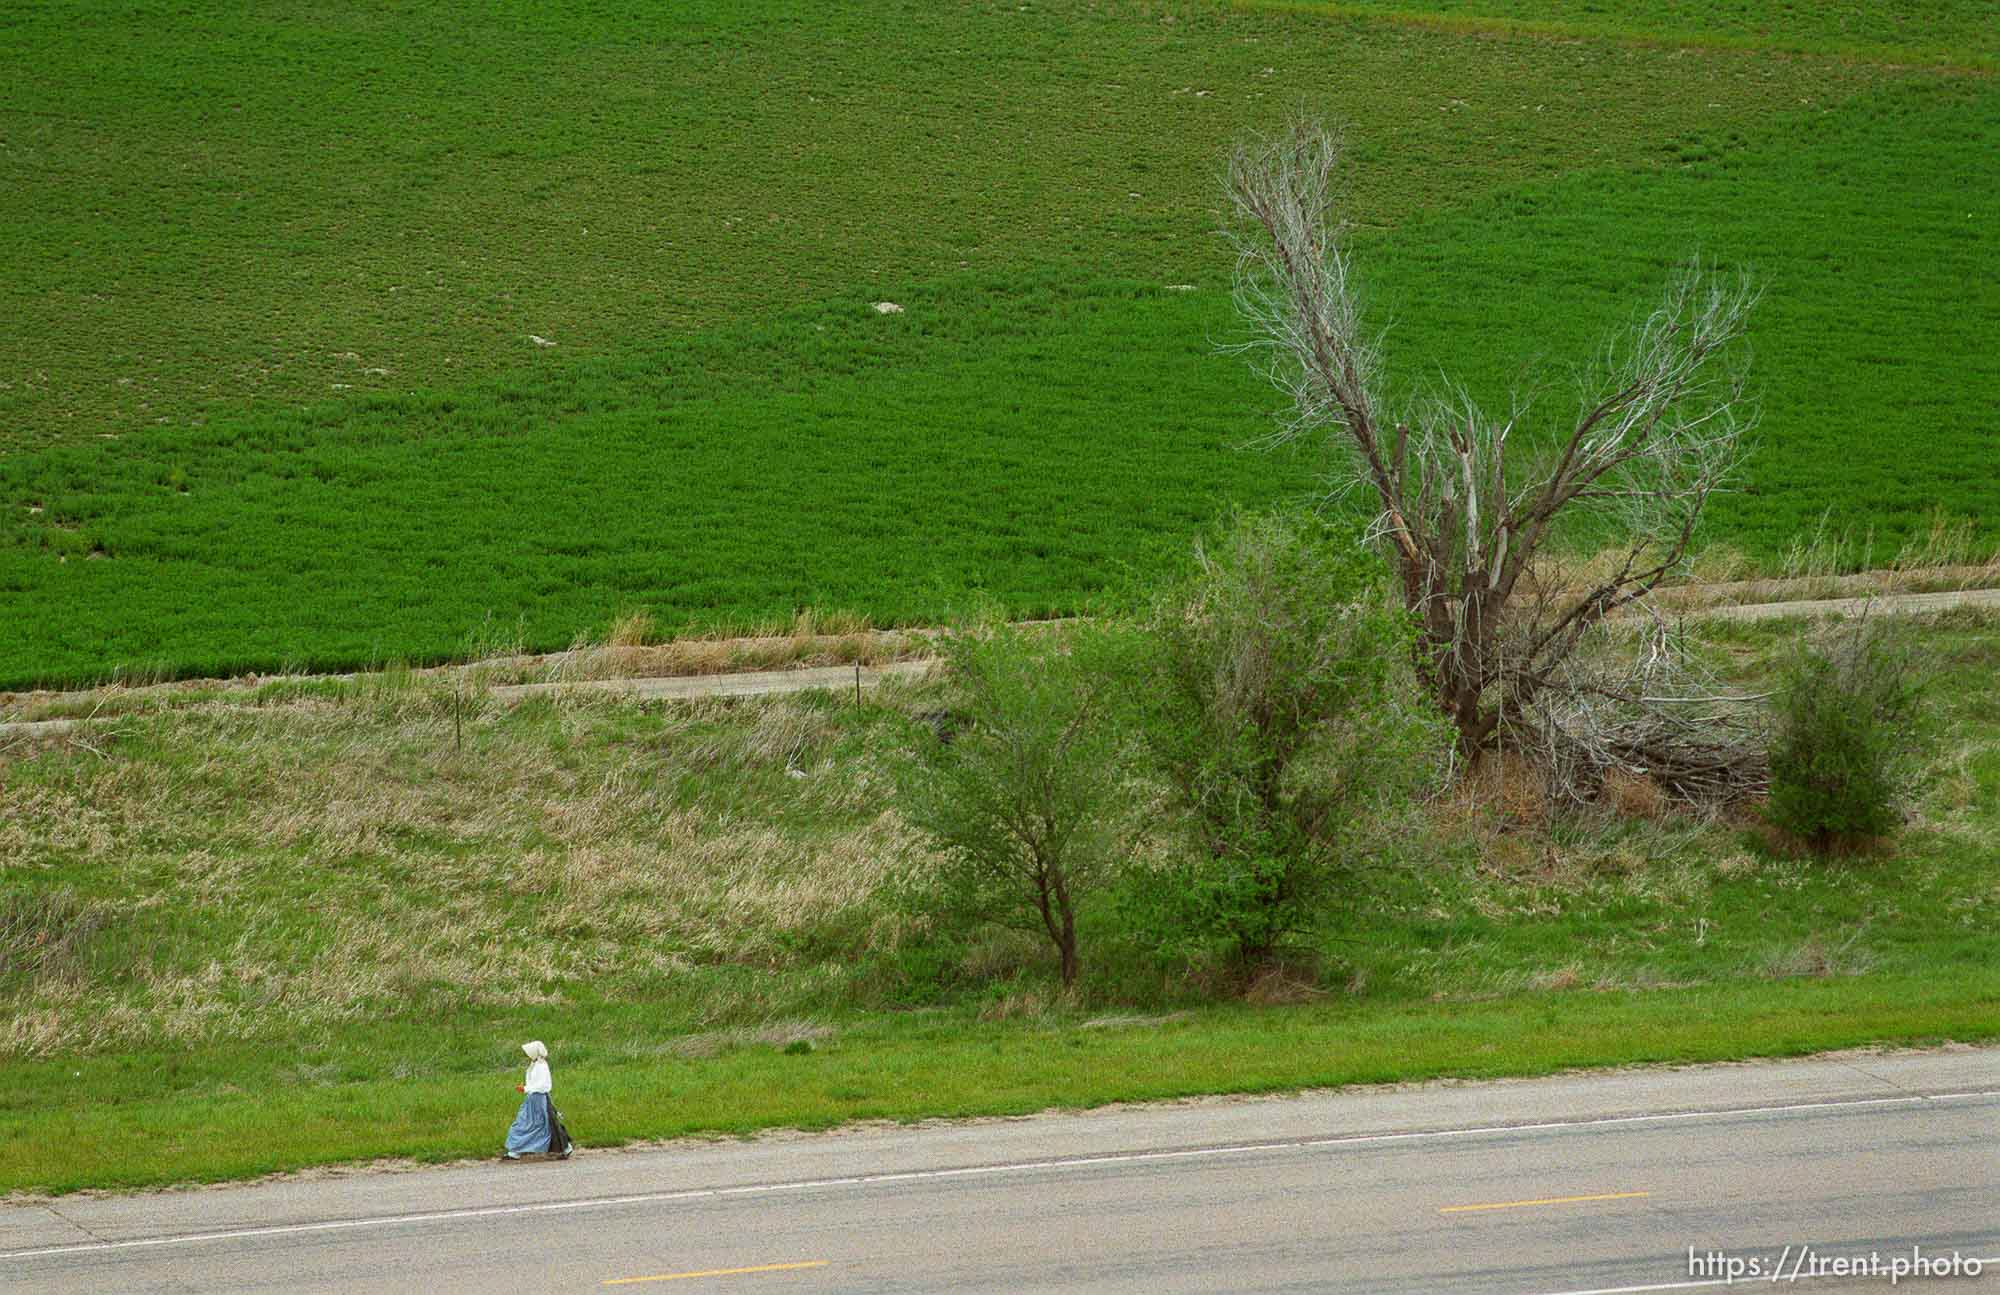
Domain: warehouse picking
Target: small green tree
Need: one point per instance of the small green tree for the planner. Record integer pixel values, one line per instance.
(1014, 795)
(1280, 703)
(1846, 729)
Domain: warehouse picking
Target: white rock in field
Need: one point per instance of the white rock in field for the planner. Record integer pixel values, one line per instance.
(887, 308)
(1180, 287)
(540, 341)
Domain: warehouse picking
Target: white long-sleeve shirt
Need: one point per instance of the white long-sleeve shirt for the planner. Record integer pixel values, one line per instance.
(538, 1077)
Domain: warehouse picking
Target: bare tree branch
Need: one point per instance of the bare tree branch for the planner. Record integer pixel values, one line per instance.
(1658, 428)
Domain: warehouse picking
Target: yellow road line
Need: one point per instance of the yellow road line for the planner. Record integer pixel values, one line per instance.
(719, 1272)
(1546, 1200)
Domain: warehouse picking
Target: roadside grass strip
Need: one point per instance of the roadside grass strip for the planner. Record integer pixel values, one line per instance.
(953, 1066)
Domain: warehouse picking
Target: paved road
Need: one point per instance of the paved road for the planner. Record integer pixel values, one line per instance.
(1582, 1183)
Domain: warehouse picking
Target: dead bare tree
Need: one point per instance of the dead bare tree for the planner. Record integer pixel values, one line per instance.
(1659, 421)
(1650, 710)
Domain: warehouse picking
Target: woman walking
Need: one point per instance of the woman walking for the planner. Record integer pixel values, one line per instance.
(538, 1128)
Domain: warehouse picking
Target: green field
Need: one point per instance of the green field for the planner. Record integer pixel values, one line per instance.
(1957, 33)
(254, 202)
(270, 275)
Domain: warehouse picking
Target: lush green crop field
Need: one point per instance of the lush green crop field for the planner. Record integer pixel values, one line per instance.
(259, 201)
(271, 276)
(1876, 348)
(1952, 32)
(1026, 435)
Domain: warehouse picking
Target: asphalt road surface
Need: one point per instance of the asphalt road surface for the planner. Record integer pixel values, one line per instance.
(1645, 1181)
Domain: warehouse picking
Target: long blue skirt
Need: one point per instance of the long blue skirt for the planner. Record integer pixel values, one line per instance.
(532, 1127)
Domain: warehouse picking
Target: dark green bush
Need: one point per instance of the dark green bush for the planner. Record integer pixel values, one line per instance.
(1278, 706)
(1847, 726)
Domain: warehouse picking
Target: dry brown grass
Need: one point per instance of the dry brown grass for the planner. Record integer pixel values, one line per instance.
(1818, 958)
(1818, 565)
(1525, 863)
(1278, 985)
(634, 629)
(1031, 1003)
(1501, 791)
(474, 863)
(781, 1035)
(1633, 795)
(1946, 544)
(1134, 1020)
(1561, 978)
(1735, 862)
(1719, 564)
(811, 639)
(1947, 555)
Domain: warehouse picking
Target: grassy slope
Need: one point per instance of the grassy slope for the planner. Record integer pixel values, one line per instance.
(312, 931)
(1026, 434)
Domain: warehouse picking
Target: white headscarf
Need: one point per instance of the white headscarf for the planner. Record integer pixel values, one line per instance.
(535, 1051)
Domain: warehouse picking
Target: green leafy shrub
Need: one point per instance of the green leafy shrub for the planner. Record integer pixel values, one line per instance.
(1278, 706)
(1015, 794)
(1846, 729)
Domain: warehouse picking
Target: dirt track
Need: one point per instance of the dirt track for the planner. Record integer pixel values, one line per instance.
(768, 682)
